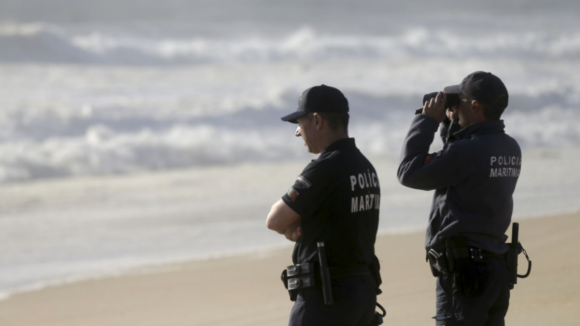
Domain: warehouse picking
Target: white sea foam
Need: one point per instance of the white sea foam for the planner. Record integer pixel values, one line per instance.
(50, 43)
(102, 150)
(94, 120)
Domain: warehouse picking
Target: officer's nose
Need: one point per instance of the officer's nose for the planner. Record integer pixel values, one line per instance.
(297, 133)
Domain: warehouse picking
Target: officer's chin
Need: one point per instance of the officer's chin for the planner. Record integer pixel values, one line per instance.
(310, 150)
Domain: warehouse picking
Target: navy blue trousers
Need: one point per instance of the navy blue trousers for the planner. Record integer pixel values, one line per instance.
(487, 309)
(354, 304)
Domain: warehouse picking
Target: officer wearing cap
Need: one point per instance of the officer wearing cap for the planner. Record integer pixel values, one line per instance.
(334, 200)
(474, 177)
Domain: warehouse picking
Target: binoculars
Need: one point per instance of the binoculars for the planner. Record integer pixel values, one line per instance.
(451, 101)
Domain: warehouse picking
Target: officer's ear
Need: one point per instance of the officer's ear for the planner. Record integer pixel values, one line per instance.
(478, 110)
(476, 107)
(318, 121)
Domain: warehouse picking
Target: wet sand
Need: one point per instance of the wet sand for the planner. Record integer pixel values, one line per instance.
(246, 290)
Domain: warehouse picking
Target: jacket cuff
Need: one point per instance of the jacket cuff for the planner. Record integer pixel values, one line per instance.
(426, 123)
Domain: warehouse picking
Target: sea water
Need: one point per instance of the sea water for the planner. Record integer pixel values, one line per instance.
(141, 132)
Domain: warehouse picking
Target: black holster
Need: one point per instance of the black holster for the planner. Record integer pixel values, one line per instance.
(465, 264)
(515, 249)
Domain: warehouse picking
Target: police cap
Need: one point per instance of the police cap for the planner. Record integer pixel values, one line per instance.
(483, 87)
(318, 99)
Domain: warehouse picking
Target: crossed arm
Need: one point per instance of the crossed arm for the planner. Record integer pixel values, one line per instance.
(284, 220)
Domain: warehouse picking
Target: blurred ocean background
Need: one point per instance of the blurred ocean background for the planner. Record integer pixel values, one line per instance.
(142, 132)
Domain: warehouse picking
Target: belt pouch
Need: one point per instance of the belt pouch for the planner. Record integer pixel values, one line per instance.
(284, 278)
(456, 249)
(296, 277)
(470, 273)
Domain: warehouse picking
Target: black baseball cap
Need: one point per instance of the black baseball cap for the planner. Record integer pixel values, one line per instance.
(318, 99)
(483, 87)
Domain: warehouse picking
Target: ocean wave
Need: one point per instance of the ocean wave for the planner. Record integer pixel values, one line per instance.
(69, 120)
(39, 43)
(104, 150)
(166, 127)
(48, 43)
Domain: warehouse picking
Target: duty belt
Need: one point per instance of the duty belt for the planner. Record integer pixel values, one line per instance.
(477, 254)
(443, 262)
(304, 276)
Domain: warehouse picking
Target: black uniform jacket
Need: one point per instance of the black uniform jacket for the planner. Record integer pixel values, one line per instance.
(474, 177)
(338, 198)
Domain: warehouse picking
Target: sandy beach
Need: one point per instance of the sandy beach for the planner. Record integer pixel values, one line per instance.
(246, 290)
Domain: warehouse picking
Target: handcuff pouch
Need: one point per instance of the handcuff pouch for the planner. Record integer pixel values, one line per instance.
(297, 277)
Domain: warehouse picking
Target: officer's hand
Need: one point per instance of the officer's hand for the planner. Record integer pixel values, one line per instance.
(294, 231)
(435, 107)
(452, 115)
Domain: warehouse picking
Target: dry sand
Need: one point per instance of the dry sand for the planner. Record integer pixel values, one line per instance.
(247, 291)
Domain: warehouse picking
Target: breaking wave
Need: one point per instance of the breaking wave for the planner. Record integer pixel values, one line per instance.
(51, 44)
(106, 148)
(80, 118)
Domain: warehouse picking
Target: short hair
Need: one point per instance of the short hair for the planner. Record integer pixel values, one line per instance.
(495, 110)
(337, 121)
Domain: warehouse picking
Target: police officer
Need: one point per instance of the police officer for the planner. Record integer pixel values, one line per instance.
(334, 200)
(474, 177)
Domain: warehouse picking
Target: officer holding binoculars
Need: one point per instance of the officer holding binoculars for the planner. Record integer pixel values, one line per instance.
(474, 178)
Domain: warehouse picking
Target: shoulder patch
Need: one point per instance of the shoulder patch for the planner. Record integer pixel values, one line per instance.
(303, 181)
(428, 159)
(292, 193)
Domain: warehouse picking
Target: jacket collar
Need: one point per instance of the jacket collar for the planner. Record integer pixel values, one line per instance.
(339, 144)
(482, 128)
